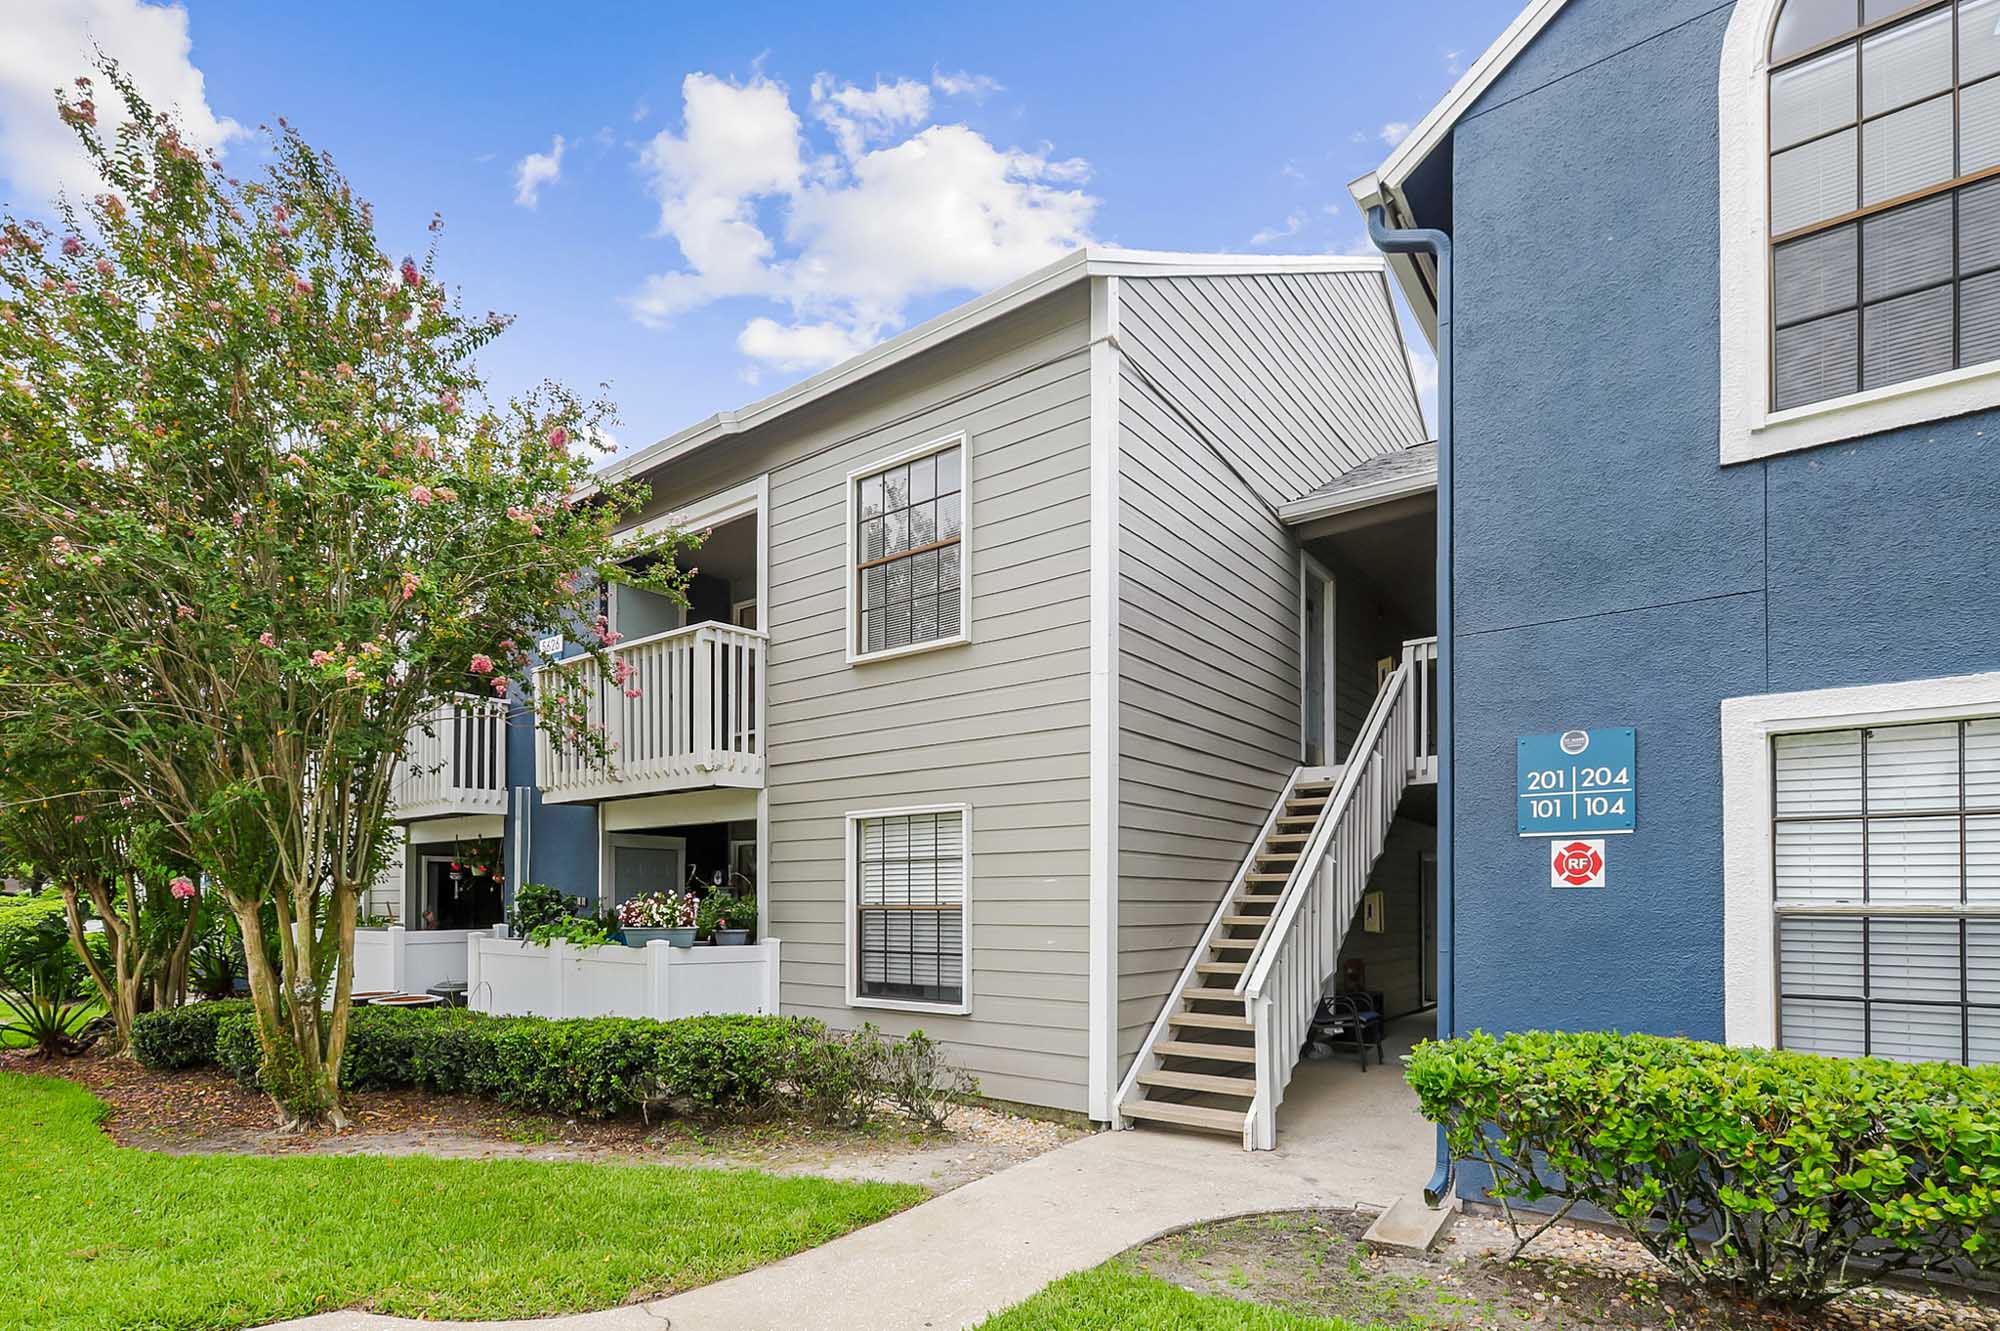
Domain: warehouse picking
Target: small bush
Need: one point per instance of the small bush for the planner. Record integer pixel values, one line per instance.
(182, 1037)
(537, 904)
(35, 948)
(1786, 1177)
(738, 1066)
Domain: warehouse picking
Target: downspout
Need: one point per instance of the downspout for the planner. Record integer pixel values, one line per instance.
(1438, 245)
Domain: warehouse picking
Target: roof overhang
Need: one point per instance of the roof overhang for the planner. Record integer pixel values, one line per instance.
(1076, 266)
(1385, 491)
(1385, 186)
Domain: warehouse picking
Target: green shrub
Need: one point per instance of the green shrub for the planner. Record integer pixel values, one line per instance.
(537, 904)
(913, 1076)
(572, 930)
(35, 950)
(182, 1037)
(739, 1066)
(1786, 1177)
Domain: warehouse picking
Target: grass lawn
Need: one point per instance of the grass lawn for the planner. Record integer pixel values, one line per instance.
(1115, 1297)
(102, 1237)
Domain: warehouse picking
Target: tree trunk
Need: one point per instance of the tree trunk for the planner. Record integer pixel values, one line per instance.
(294, 1071)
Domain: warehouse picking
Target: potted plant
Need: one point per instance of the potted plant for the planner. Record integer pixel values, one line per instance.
(728, 919)
(668, 915)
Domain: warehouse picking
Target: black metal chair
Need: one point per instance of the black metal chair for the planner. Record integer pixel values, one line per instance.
(1346, 1021)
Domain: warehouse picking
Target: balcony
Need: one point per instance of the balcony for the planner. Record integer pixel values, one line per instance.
(454, 762)
(686, 717)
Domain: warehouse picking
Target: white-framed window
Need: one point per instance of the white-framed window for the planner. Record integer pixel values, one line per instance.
(1862, 870)
(1860, 218)
(909, 556)
(909, 875)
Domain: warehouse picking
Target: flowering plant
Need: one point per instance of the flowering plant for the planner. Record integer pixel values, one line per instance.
(659, 910)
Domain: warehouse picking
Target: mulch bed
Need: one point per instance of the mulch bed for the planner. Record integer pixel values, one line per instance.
(1574, 1279)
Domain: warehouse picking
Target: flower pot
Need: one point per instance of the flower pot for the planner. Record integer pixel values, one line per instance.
(678, 937)
(732, 937)
(641, 937)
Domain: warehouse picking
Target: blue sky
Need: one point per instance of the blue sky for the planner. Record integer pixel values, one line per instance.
(829, 175)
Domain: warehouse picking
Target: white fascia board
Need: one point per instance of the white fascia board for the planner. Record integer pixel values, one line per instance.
(1072, 267)
(1361, 496)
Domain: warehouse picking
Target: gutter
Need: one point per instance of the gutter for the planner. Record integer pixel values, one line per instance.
(1438, 244)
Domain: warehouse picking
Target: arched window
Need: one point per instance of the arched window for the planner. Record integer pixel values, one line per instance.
(1884, 195)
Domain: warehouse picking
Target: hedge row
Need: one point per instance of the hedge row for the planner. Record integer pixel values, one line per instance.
(593, 1066)
(1788, 1177)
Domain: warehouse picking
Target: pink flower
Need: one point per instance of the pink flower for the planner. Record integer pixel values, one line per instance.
(72, 246)
(104, 268)
(61, 546)
(69, 288)
(482, 664)
(184, 612)
(353, 673)
(215, 307)
(411, 276)
(126, 801)
(302, 285)
(182, 887)
(321, 657)
(631, 693)
(265, 639)
(409, 585)
(447, 495)
(421, 493)
(343, 371)
(75, 819)
(499, 683)
(506, 644)
(449, 403)
(559, 439)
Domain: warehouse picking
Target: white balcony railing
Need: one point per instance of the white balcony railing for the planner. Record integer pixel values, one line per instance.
(1421, 657)
(688, 715)
(454, 761)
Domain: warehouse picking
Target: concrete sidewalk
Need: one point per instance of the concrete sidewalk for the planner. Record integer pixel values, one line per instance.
(1348, 1138)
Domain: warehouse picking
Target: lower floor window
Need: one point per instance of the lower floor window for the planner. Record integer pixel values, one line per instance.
(909, 873)
(1887, 890)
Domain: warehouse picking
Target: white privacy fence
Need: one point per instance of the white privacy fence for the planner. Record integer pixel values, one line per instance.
(409, 961)
(688, 714)
(512, 977)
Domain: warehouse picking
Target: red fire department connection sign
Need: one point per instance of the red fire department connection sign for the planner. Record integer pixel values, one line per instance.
(1577, 864)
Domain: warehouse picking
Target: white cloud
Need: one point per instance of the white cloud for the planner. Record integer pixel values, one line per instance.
(535, 171)
(860, 116)
(843, 241)
(48, 42)
(964, 84)
(1453, 65)
(1290, 227)
(1290, 171)
(1394, 132)
(641, 109)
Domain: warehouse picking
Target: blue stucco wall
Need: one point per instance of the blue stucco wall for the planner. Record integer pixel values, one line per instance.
(562, 846)
(1609, 571)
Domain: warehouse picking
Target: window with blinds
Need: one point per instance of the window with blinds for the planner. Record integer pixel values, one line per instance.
(1885, 131)
(909, 901)
(909, 551)
(1887, 878)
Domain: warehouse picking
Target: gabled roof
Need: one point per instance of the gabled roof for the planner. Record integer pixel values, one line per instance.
(1384, 477)
(1094, 261)
(1385, 184)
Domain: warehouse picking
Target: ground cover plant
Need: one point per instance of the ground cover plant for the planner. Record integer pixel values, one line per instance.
(110, 1239)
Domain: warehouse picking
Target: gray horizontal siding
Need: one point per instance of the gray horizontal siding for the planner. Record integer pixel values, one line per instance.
(1001, 724)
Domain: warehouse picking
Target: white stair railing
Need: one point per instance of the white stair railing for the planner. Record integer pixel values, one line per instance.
(1283, 980)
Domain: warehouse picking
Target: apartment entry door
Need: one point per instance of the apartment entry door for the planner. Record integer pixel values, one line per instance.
(639, 863)
(1316, 663)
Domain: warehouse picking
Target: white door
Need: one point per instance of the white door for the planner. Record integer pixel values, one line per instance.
(1316, 710)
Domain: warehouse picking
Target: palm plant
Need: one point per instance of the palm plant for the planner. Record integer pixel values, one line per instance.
(44, 1020)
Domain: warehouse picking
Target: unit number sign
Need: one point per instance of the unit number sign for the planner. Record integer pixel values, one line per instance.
(1577, 783)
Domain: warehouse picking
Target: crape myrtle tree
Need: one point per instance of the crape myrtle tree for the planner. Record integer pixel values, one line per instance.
(258, 518)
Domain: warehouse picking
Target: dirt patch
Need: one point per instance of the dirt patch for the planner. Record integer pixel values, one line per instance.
(1575, 1279)
(203, 1111)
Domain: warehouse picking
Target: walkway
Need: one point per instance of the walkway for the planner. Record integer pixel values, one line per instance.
(1346, 1138)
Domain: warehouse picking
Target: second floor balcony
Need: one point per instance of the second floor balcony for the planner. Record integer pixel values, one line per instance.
(687, 715)
(454, 762)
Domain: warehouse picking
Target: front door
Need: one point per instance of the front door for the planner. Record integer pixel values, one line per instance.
(1316, 664)
(642, 864)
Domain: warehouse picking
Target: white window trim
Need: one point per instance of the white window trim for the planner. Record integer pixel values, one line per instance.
(1750, 429)
(961, 438)
(854, 998)
(1749, 898)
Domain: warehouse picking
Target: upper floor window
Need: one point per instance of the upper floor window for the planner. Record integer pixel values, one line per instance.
(1884, 194)
(908, 585)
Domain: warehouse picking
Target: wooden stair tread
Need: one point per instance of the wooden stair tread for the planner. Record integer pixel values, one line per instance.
(1267, 878)
(1244, 1086)
(1246, 921)
(1193, 1116)
(1214, 1021)
(1225, 1053)
(1232, 944)
(1218, 968)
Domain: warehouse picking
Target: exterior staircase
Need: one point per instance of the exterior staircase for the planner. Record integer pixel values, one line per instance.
(1224, 1048)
